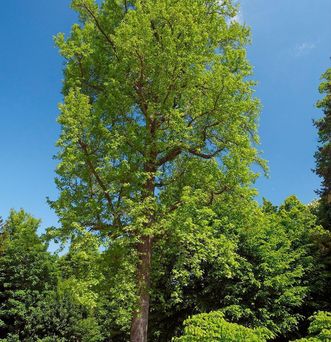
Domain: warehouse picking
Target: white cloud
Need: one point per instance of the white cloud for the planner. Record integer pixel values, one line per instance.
(303, 48)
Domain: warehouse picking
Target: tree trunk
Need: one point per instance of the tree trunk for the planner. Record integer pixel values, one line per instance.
(139, 324)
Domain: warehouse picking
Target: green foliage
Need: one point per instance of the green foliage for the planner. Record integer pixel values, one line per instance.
(146, 95)
(116, 293)
(213, 327)
(320, 328)
(89, 330)
(278, 261)
(323, 154)
(33, 305)
(27, 273)
(266, 271)
(60, 317)
(81, 273)
(323, 169)
(101, 283)
(256, 267)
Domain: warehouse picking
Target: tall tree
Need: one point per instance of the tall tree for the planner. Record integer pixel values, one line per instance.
(158, 113)
(323, 154)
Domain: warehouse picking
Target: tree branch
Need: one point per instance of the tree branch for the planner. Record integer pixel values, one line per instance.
(139, 88)
(205, 155)
(171, 155)
(214, 193)
(97, 24)
(208, 111)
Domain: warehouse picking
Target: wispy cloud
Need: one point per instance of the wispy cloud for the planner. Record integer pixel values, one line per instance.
(303, 48)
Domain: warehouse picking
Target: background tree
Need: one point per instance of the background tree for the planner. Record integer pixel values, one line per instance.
(265, 271)
(323, 155)
(33, 303)
(323, 169)
(158, 113)
(27, 273)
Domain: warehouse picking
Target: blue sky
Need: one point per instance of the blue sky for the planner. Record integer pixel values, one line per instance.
(291, 46)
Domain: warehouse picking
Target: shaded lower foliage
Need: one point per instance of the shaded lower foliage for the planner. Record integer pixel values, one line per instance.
(272, 282)
(31, 306)
(252, 268)
(319, 328)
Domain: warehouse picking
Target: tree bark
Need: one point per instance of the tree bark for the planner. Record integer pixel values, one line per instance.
(139, 324)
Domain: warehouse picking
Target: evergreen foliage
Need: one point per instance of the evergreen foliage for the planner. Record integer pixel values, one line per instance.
(323, 155)
(323, 169)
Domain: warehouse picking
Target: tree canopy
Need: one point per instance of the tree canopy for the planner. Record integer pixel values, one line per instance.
(158, 120)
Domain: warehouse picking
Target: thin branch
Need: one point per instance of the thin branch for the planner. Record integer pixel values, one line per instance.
(135, 148)
(139, 88)
(214, 193)
(172, 154)
(98, 226)
(205, 155)
(175, 206)
(208, 111)
(97, 24)
(155, 33)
